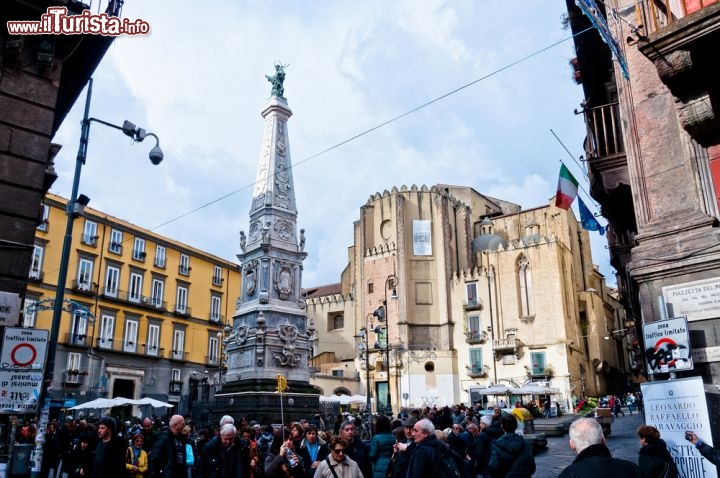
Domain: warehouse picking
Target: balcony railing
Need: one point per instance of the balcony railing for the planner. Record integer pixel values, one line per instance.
(212, 360)
(473, 305)
(475, 337)
(79, 340)
(178, 355)
(175, 387)
(84, 286)
(658, 14)
(604, 133)
(216, 318)
(74, 377)
(89, 240)
(183, 310)
(504, 345)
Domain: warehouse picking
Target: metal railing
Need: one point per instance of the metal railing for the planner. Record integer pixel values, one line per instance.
(604, 133)
(504, 344)
(655, 15)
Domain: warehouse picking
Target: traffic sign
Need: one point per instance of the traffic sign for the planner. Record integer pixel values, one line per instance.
(667, 346)
(24, 349)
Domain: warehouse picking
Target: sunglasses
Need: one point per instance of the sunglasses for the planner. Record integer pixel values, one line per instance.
(339, 450)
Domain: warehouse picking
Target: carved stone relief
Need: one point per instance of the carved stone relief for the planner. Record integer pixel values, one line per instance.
(284, 282)
(287, 332)
(286, 357)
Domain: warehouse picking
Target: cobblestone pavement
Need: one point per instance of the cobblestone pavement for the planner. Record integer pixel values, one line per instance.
(623, 443)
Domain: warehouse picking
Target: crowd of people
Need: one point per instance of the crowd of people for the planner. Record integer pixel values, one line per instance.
(428, 443)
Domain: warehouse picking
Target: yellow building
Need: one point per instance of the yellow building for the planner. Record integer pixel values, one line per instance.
(146, 313)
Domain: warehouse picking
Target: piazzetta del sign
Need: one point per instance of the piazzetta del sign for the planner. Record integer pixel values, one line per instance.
(697, 300)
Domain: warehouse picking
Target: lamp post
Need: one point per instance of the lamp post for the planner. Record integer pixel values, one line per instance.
(75, 207)
(381, 314)
(364, 349)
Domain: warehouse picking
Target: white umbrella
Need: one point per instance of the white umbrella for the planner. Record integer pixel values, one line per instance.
(152, 402)
(357, 399)
(99, 403)
(330, 399)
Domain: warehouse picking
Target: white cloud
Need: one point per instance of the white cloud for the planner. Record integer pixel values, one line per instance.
(198, 81)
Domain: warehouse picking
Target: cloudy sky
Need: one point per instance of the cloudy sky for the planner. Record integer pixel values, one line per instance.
(197, 80)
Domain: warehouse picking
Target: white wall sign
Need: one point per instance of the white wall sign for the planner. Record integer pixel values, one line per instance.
(695, 300)
(706, 355)
(674, 407)
(422, 238)
(24, 349)
(667, 345)
(19, 391)
(9, 308)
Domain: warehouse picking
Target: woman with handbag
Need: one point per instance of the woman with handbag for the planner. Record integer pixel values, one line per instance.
(136, 462)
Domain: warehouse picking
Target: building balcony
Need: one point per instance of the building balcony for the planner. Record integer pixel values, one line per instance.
(216, 318)
(84, 286)
(679, 37)
(475, 337)
(74, 377)
(77, 340)
(175, 387)
(183, 310)
(473, 305)
(213, 361)
(179, 355)
(504, 346)
(476, 371)
(89, 240)
(658, 15)
(36, 275)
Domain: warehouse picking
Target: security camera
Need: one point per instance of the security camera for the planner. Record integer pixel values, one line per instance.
(156, 155)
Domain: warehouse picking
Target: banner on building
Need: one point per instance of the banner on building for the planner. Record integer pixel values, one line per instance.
(674, 407)
(667, 346)
(422, 238)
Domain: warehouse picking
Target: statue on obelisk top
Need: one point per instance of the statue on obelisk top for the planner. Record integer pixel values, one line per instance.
(277, 80)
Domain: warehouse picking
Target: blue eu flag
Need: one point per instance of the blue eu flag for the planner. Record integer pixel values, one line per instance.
(588, 220)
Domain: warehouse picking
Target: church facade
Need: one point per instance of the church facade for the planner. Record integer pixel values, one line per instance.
(472, 294)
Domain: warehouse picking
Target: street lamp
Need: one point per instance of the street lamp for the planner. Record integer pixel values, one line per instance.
(381, 314)
(75, 208)
(364, 349)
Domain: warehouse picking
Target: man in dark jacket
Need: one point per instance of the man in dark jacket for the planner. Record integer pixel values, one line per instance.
(356, 449)
(423, 458)
(227, 457)
(510, 456)
(594, 459)
(167, 459)
(109, 451)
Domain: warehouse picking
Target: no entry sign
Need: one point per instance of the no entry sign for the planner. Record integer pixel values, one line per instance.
(24, 349)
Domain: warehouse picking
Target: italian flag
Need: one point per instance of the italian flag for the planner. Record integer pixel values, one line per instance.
(567, 189)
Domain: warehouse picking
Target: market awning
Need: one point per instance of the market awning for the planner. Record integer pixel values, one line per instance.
(496, 390)
(534, 390)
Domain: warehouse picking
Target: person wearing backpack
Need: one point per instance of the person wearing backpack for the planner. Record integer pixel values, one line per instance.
(431, 458)
(510, 456)
(654, 460)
